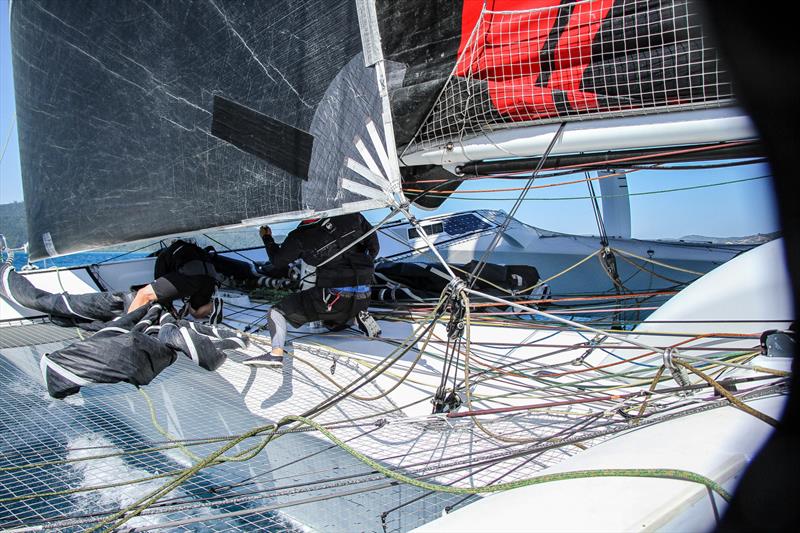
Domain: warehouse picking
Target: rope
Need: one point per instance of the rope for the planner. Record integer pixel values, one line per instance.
(501, 230)
(736, 402)
(603, 297)
(127, 253)
(67, 492)
(209, 237)
(486, 281)
(756, 368)
(664, 473)
(551, 278)
(400, 380)
(552, 199)
(556, 318)
(653, 272)
(269, 432)
(639, 473)
(467, 387)
(8, 136)
(166, 434)
(375, 228)
(121, 517)
(659, 263)
(598, 218)
(552, 173)
(695, 410)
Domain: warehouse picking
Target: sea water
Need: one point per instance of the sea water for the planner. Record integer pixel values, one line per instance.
(72, 260)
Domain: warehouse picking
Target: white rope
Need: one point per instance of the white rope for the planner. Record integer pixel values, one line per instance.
(653, 261)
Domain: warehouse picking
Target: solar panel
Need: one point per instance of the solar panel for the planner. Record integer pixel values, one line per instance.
(461, 224)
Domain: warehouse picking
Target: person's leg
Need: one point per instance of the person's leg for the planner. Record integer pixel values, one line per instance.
(349, 308)
(276, 323)
(200, 289)
(164, 289)
(201, 312)
(296, 310)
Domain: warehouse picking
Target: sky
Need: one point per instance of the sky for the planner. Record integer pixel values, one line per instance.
(10, 181)
(736, 209)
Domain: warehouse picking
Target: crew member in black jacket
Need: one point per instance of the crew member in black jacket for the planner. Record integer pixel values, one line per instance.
(183, 270)
(343, 277)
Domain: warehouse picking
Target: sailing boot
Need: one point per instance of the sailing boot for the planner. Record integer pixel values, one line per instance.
(367, 324)
(266, 360)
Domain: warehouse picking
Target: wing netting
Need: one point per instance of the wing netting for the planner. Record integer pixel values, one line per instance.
(576, 61)
(533, 397)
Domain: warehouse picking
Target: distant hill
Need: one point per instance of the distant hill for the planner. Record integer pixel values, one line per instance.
(758, 238)
(12, 223)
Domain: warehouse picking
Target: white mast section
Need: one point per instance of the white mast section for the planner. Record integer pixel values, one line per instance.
(616, 205)
(373, 57)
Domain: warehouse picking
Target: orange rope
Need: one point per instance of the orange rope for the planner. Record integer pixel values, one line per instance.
(575, 311)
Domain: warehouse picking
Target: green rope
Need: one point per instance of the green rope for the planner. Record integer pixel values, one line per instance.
(135, 509)
(216, 457)
(665, 473)
(166, 434)
(124, 515)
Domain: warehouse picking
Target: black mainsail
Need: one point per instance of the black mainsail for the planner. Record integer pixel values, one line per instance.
(161, 117)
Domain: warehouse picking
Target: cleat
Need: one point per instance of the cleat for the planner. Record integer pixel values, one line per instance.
(367, 324)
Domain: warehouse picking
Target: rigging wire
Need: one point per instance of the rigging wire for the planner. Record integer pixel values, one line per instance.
(501, 230)
(8, 136)
(273, 431)
(551, 199)
(547, 174)
(601, 227)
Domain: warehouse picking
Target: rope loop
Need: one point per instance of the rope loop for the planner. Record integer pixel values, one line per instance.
(676, 370)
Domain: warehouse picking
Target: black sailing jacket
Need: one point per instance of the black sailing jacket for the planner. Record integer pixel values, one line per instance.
(314, 242)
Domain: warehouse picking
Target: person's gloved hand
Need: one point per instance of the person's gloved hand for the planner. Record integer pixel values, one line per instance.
(265, 231)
